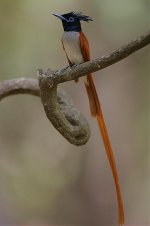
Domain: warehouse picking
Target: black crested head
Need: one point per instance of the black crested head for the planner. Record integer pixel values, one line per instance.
(71, 21)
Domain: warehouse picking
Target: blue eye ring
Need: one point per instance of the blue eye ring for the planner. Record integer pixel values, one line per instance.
(71, 19)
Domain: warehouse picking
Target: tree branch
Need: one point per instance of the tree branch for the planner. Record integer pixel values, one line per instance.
(77, 71)
(58, 107)
(19, 86)
(61, 113)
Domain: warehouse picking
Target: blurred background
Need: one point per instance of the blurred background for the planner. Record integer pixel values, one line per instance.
(44, 180)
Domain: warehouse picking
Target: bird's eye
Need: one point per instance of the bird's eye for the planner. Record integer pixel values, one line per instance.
(71, 19)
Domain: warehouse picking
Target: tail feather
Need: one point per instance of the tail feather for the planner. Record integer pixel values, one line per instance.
(96, 111)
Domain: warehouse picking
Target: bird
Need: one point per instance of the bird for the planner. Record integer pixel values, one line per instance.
(76, 47)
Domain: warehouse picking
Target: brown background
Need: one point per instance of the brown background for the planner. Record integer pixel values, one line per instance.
(44, 180)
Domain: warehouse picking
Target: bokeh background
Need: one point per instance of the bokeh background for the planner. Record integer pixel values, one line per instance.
(44, 180)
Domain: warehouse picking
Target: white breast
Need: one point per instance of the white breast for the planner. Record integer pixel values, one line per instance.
(71, 44)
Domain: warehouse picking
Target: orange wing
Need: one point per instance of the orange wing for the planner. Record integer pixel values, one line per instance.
(90, 87)
(96, 111)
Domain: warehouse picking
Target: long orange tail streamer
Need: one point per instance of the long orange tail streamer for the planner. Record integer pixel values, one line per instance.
(96, 111)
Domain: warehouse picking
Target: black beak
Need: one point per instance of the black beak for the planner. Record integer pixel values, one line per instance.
(59, 16)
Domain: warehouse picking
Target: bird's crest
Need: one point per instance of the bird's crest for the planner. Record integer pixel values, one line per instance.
(81, 16)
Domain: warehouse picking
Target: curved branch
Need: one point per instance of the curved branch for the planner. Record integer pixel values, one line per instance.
(58, 107)
(77, 71)
(72, 125)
